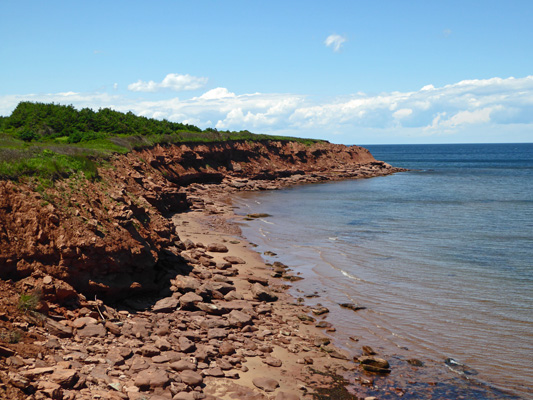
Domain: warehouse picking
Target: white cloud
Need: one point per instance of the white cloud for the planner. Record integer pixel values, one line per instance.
(335, 41)
(218, 93)
(174, 82)
(482, 105)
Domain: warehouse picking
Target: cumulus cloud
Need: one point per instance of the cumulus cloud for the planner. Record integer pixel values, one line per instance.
(485, 104)
(175, 82)
(335, 41)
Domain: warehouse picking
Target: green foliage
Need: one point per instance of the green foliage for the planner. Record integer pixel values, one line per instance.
(11, 337)
(28, 302)
(39, 121)
(52, 141)
(48, 164)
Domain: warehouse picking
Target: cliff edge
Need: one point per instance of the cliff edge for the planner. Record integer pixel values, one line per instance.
(112, 237)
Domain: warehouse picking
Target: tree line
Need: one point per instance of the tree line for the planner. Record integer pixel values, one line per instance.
(45, 121)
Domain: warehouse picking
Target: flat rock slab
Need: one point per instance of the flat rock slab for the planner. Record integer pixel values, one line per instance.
(217, 248)
(234, 260)
(191, 378)
(287, 396)
(272, 361)
(166, 305)
(266, 384)
(92, 330)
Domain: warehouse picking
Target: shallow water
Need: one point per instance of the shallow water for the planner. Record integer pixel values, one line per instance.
(441, 256)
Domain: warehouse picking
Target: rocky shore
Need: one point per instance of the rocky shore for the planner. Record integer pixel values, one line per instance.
(139, 287)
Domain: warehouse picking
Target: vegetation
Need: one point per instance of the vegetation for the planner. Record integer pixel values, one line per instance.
(29, 302)
(53, 141)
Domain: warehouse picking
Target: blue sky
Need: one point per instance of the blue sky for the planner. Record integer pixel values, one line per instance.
(358, 72)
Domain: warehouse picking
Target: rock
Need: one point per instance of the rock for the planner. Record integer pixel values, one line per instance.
(151, 378)
(306, 318)
(352, 306)
(189, 244)
(79, 323)
(113, 328)
(186, 345)
(262, 293)
(66, 378)
(166, 305)
(183, 365)
(374, 364)
(191, 378)
(18, 380)
(226, 349)
(239, 319)
(57, 329)
(186, 283)
(320, 310)
(323, 324)
(286, 396)
(272, 361)
(6, 352)
(50, 389)
(149, 350)
(217, 248)
(92, 330)
(266, 384)
(234, 260)
(368, 351)
(113, 357)
(415, 362)
(215, 371)
(257, 279)
(184, 396)
(188, 300)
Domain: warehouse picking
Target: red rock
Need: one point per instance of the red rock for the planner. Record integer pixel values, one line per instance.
(234, 260)
(238, 318)
(166, 305)
(217, 248)
(272, 361)
(191, 378)
(66, 378)
(267, 384)
(183, 365)
(226, 349)
(92, 330)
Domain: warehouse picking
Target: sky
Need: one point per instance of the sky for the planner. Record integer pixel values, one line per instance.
(352, 72)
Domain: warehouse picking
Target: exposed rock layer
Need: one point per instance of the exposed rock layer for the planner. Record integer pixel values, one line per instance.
(112, 237)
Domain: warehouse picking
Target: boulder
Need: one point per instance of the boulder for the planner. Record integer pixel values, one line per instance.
(239, 319)
(262, 293)
(166, 305)
(374, 364)
(272, 361)
(151, 378)
(234, 260)
(189, 300)
(217, 248)
(92, 330)
(66, 378)
(191, 378)
(183, 365)
(266, 384)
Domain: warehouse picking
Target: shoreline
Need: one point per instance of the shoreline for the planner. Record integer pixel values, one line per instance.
(411, 378)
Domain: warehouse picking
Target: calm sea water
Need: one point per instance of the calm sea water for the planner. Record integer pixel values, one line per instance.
(441, 256)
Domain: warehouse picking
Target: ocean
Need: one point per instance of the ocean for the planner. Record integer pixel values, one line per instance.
(441, 256)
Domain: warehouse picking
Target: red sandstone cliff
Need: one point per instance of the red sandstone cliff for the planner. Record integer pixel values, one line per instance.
(112, 236)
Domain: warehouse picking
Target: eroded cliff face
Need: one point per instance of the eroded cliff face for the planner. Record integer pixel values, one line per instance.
(112, 237)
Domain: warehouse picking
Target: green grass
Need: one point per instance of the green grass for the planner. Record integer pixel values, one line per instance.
(50, 141)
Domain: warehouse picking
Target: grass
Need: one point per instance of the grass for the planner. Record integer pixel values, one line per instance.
(28, 302)
(57, 158)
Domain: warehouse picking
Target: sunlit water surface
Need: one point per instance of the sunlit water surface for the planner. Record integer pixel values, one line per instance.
(441, 256)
